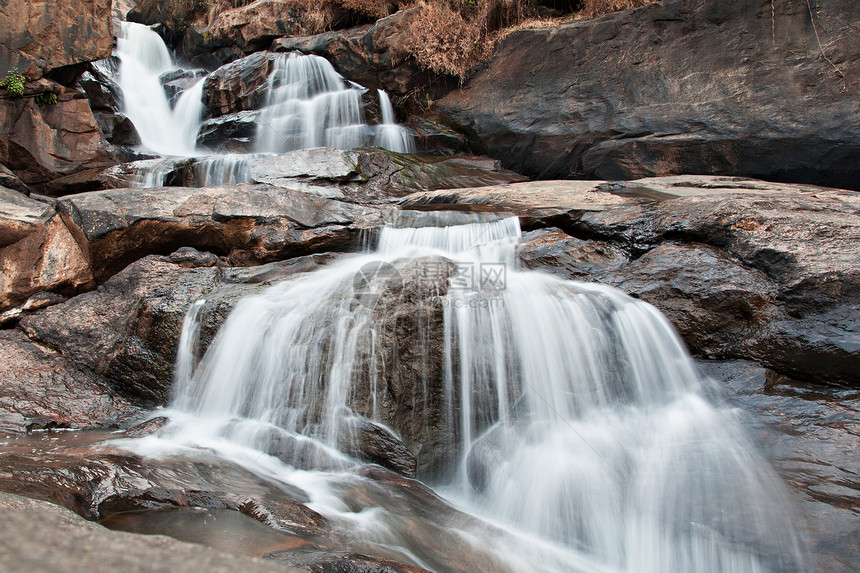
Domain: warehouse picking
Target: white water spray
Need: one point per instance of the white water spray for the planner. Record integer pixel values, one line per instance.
(310, 105)
(163, 129)
(389, 135)
(577, 418)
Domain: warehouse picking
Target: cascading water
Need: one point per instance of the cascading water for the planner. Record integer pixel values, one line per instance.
(143, 60)
(389, 135)
(578, 423)
(308, 104)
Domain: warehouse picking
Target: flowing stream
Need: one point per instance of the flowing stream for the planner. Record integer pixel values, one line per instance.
(308, 104)
(564, 421)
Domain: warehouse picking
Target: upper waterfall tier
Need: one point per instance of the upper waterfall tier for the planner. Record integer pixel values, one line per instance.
(308, 104)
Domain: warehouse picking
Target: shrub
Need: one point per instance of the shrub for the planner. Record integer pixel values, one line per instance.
(46, 98)
(14, 83)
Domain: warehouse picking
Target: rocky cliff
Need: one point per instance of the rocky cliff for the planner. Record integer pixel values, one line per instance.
(681, 86)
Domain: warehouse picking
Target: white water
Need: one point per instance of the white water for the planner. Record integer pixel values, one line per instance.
(163, 129)
(580, 426)
(308, 104)
(389, 135)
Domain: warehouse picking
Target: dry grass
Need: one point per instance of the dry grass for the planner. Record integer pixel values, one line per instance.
(595, 8)
(450, 37)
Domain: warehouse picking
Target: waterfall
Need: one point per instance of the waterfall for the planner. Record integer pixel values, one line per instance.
(576, 420)
(389, 135)
(308, 104)
(143, 60)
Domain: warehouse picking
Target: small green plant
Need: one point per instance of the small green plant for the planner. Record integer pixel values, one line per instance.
(14, 83)
(46, 98)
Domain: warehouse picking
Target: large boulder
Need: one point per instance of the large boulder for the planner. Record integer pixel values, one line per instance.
(250, 224)
(40, 36)
(37, 251)
(53, 147)
(707, 87)
(238, 86)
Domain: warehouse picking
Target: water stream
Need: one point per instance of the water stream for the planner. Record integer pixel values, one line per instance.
(308, 104)
(566, 418)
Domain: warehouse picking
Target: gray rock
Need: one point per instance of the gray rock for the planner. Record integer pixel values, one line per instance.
(248, 223)
(809, 434)
(232, 132)
(79, 546)
(39, 383)
(644, 92)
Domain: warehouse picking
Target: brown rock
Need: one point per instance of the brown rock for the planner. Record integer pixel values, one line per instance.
(43, 143)
(11, 181)
(40, 384)
(238, 86)
(40, 36)
(254, 26)
(37, 252)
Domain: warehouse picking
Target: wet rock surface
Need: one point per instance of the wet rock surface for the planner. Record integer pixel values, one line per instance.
(810, 434)
(742, 268)
(552, 104)
(35, 525)
(40, 388)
